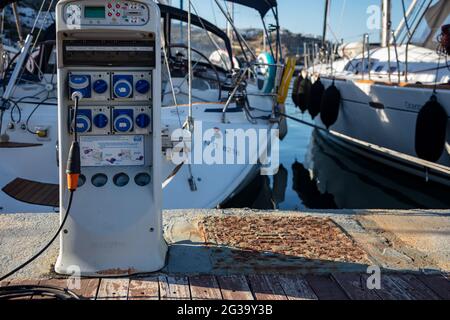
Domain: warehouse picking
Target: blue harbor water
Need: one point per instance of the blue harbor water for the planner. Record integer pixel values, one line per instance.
(316, 173)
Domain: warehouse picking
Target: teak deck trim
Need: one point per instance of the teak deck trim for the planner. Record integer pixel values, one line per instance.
(32, 192)
(391, 84)
(18, 145)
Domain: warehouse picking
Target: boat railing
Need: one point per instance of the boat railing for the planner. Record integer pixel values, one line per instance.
(241, 80)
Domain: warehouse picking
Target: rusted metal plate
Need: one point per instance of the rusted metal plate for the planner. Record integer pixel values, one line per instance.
(234, 288)
(355, 286)
(144, 289)
(205, 288)
(326, 288)
(438, 283)
(113, 289)
(174, 288)
(268, 243)
(296, 288)
(266, 287)
(413, 287)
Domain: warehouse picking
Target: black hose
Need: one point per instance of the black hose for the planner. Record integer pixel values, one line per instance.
(9, 274)
(22, 291)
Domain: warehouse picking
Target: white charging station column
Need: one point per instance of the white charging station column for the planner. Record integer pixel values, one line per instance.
(109, 52)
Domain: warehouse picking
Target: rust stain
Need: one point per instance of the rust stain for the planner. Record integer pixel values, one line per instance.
(117, 272)
(258, 240)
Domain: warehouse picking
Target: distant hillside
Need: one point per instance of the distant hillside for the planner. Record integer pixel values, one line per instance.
(292, 43)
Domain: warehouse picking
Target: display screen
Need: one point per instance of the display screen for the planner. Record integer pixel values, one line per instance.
(94, 12)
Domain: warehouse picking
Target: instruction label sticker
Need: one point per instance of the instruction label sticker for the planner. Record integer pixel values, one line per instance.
(117, 151)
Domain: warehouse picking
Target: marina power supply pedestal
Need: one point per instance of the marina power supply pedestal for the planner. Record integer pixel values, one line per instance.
(109, 100)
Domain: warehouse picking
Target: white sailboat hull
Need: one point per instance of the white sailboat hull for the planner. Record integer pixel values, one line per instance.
(365, 128)
(214, 183)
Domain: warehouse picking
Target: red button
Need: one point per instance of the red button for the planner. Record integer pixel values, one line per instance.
(118, 14)
(110, 14)
(117, 6)
(109, 5)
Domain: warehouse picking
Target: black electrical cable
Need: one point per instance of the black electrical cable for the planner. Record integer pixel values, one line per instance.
(9, 274)
(11, 112)
(32, 113)
(22, 291)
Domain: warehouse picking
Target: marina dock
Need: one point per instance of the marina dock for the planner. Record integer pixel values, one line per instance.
(247, 255)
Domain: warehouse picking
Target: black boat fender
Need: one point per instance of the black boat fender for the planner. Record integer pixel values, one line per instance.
(315, 101)
(431, 131)
(304, 92)
(295, 89)
(329, 109)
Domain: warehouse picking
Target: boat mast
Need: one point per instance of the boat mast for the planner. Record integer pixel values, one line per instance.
(18, 23)
(229, 26)
(386, 23)
(325, 23)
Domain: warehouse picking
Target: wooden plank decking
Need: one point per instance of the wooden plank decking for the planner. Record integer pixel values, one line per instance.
(18, 145)
(259, 287)
(32, 192)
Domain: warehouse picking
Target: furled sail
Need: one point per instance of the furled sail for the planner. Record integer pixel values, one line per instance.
(436, 16)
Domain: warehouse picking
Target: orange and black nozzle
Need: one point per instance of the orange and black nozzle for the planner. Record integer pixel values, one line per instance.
(73, 170)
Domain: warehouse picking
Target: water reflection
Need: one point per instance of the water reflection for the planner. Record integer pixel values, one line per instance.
(307, 189)
(357, 182)
(261, 193)
(332, 177)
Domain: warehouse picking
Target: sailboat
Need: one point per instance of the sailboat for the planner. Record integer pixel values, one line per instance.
(390, 102)
(217, 97)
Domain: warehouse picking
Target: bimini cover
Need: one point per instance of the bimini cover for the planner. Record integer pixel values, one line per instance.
(262, 6)
(4, 3)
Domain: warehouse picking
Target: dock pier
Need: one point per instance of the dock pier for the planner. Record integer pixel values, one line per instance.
(240, 254)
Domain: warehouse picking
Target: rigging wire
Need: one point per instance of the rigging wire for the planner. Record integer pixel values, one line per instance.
(213, 12)
(190, 118)
(44, 21)
(406, 18)
(214, 43)
(190, 68)
(341, 19)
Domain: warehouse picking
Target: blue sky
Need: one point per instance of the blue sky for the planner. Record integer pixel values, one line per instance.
(348, 18)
